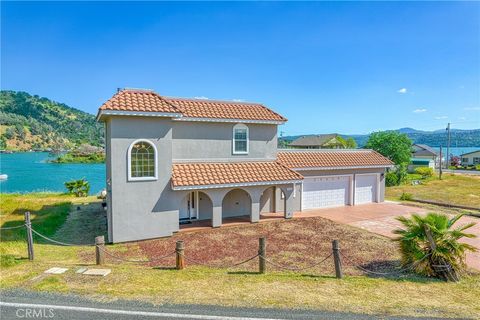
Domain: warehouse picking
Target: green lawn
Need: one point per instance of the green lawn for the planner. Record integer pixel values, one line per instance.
(453, 189)
(406, 295)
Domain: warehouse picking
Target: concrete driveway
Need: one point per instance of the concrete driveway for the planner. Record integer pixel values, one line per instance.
(380, 218)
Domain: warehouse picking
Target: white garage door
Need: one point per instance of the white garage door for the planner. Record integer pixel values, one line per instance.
(325, 192)
(365, 188)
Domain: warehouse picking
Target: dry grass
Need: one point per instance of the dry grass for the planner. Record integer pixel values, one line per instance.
(304, 241)
(453, 189)
(200, 285)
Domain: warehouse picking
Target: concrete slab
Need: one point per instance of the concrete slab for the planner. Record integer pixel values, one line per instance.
(380, 218)
(97, 272)
(81, 270)
(56, 270)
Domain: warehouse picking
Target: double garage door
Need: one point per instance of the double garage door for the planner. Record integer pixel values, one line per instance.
(334, 191)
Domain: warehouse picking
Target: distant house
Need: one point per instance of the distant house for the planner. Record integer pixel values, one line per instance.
(422, 151)
(470, 158)
(420, 162)
(319, 141)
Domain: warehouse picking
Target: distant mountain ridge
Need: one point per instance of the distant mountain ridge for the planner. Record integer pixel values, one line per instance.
(33, 122)
(437, 138)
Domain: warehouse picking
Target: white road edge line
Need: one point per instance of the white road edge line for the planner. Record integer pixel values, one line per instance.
(128, 312)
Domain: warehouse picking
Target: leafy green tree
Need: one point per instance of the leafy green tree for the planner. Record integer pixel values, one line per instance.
(391, 144)
(9, 133)
(3, 143)
(431, 246)
(342, 143)
(391, 179)
(20, 131)
(350, 143)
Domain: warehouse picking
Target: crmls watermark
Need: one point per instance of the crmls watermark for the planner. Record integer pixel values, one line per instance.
(35, 313)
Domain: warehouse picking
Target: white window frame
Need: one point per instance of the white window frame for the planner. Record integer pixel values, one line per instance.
(240, 126)
(129, 159)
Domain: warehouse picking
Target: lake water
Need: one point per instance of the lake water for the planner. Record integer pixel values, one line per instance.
(456, 151)
(29, 171)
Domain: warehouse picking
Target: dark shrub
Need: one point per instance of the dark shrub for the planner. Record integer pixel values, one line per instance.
(425, 172)
(391, 179)
(406, 196)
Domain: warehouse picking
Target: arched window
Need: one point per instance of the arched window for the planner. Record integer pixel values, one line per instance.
(240, 139)
(142, 161)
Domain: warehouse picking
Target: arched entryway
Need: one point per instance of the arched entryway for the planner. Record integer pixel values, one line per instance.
(267, 200)
(196, 205)
(205, 206)
(236, 203)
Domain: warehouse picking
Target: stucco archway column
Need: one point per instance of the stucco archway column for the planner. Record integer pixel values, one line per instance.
(255, 195)
(216, 195)
(288, 210)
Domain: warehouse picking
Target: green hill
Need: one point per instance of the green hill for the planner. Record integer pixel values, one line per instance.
(32, 122)
(459, 138)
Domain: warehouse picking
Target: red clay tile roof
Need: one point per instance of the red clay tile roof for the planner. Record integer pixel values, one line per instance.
(138, 100)
(332, 159)
(197, 108)
(204, 174)
(149, 101)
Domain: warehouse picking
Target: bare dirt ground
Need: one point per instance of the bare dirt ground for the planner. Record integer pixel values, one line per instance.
(291, 243)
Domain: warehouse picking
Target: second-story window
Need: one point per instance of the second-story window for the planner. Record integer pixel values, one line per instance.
(240, 139)
(142, 161)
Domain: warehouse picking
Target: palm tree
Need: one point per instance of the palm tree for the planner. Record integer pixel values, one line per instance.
(80, 188)
(430, 245)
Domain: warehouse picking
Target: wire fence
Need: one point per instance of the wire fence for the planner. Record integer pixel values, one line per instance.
(135, 261)
(59, 242)
(336, 253)
(288, 268)
(408, 268)
(11, 228)
(216, 265)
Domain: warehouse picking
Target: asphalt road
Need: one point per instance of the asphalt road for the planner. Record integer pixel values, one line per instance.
(472, 172)
(19, 304)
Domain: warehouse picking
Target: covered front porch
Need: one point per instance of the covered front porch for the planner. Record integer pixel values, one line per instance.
(236, 205)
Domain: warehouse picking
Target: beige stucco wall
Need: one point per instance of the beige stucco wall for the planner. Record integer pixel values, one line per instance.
(213, 140)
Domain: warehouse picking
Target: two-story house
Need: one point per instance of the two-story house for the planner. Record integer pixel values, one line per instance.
(172, 159)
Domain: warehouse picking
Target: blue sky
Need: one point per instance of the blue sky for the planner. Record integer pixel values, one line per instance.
(327, 66)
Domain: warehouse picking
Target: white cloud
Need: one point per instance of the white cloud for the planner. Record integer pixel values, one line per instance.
(201, 98)
(419, 110)
(472, 109)
(462, 118)
(238, 100)
(402, 90)
(441, 117)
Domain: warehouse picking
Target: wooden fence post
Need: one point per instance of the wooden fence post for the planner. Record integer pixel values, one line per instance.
(99, 250)
(262, 252)
(179, 249)
(28, 225)
(336, 259)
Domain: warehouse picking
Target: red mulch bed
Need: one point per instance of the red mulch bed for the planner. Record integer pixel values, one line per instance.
(294, 243)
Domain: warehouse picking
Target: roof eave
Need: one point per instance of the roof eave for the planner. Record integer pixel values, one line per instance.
(464, 154)
(231, 120)
(343, 167)
(104, 113)
(234, 185)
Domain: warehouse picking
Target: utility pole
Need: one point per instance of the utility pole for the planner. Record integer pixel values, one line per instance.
(448, 147)
(440, 167)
